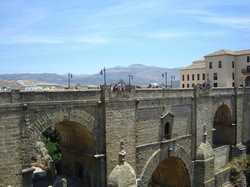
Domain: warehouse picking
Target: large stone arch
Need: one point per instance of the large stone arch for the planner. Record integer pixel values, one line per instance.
(159, 156)
(78, 146)
(227, 102)
(223, 131)
(170, 172)
(49, 119)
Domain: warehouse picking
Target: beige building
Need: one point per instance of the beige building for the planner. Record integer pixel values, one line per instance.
(223, 68)
(193, 74)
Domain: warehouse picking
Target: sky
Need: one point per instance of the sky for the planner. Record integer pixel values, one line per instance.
(83, 36)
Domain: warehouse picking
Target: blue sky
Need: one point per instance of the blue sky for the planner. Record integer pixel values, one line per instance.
(83, 36)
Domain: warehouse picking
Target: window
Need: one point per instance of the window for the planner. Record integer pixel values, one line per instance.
(203, 76)
(210, 65)
(248, 59)
(198, 76)
(187, 85)
(215, 76)
(233, 76)
(192, 76)
(183, 85)
(233, 84)
(183, 77)
(215, 84)
(167, 131)
(192, 85)
(220, 64)
(167, 120)
(232, 64)
(188, 77)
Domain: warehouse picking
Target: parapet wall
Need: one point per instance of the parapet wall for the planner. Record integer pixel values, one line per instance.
(17, 96)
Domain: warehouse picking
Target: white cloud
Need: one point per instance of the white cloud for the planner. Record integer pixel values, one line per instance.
(232, 22)
(114, 21)
(221, 18)
(170, 34)
(28, 39)
(96, 39)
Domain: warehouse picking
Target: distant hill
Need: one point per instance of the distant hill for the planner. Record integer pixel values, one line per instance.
(142, 75)
(37, 77)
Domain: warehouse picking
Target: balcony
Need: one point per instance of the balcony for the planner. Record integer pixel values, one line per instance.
(245, 71)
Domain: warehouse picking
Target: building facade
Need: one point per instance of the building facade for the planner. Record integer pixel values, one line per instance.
(193, 74)
(223, 68)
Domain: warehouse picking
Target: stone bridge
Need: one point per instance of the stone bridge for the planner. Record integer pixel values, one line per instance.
(141, 137)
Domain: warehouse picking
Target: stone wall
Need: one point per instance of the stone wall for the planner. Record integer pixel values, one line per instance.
(207, 104)
(246, 118)
(150, 110)
(25, 115)
(222, 177)
(11, 160)
(120, 126)
(221, 156)
(136, 118)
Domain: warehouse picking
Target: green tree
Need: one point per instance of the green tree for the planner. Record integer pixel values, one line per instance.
(51, 139)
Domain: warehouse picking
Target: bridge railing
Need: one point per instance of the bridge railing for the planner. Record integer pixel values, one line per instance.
(17, 96)
(163, 92)
(222, 91)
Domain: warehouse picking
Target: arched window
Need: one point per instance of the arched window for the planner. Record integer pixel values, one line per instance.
(167, 131)
(247, 81)
(167, 121)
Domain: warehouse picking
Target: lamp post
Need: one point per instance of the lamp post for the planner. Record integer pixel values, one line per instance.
(130, 77)
(165, 74)
(103, 72)
(70, 76)
(172, 78)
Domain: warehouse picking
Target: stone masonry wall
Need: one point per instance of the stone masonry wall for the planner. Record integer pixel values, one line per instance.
(21, 109)
(10, 147)
(239, 109)
(221, 156)
(206, 107)
(120, 126)
(246, 118)
(134, 118)
(149, 128)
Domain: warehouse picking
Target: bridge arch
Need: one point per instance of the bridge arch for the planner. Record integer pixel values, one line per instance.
(48, 119)
(169, 160)
(77, 144)
(223, 131)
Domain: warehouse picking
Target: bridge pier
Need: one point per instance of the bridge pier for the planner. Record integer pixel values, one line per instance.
(204, 164)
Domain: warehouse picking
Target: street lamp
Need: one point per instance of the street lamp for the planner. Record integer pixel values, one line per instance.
(130, 77)
(172, 78)
(165, 74)
(70, 76)
(103, 72)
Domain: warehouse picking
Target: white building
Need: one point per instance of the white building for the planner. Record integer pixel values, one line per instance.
(223, 68)
(193, 74)
(226, 68)
(27, 85)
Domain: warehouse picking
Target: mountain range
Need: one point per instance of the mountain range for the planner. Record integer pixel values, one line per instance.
(141, 75)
